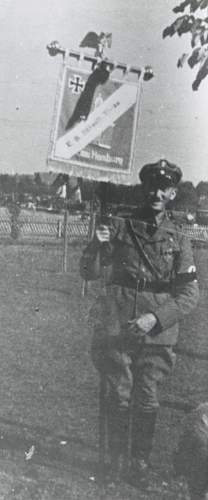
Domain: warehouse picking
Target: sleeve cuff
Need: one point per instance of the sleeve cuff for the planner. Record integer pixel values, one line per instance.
(167, 315)
(156, 329)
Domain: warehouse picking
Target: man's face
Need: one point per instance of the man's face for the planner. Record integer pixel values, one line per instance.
(158, 195)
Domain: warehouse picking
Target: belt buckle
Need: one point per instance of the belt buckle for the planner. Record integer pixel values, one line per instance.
(141, 284)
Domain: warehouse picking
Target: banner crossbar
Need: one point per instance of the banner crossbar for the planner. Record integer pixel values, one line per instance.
(54, 48)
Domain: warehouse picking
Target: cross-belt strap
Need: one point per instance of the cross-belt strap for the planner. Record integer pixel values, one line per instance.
(141, 251)
(157, 285)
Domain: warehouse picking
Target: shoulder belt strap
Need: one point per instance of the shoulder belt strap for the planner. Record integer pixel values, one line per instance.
(142, 252)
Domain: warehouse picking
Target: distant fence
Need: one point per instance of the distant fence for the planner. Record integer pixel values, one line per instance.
(76, 228)
(197, 233)
(51, 227)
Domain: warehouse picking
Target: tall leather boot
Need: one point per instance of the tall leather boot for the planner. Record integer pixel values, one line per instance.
(142, 440)
(117, 438)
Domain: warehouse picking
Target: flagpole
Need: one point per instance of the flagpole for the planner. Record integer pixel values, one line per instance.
(66, 216)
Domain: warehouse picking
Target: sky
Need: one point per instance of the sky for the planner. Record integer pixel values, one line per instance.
(173, 120)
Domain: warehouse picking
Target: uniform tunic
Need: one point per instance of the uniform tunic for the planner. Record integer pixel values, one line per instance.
(129, 359)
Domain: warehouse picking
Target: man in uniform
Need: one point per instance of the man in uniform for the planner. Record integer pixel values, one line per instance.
(149, 284)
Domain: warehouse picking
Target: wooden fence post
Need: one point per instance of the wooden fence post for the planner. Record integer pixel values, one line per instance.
(58, 232)
(66, 227)
(65, 240)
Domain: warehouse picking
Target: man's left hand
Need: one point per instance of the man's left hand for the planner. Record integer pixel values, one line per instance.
(143, 324)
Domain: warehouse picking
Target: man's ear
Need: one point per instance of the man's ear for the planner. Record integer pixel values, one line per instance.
(173, 193)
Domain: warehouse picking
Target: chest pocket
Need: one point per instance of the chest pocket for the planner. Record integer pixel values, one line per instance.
(169, 250)
(126, 258)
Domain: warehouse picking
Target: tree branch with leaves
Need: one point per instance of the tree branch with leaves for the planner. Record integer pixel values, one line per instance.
(195, 22)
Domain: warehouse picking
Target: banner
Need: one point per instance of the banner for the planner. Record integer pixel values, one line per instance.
(94, 125)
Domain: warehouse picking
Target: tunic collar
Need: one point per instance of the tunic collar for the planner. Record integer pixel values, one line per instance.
(146, 225)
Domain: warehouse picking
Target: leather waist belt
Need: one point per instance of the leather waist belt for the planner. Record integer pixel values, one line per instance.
(155, 286)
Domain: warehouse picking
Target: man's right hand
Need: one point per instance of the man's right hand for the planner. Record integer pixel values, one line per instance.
(103, 233)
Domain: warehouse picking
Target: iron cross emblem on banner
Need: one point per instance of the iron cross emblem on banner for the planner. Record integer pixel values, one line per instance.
(76, 84)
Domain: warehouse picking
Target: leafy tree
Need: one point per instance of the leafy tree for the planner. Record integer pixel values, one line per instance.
(27, 185)
(195, 22)
(8, 183)
(186, 198)
(41, 187)
(202, 193)
(202, 190)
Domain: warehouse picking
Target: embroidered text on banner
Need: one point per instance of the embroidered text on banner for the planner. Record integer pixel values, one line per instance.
(100, 145)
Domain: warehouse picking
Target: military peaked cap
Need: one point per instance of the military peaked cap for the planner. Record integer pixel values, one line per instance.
(162, 172)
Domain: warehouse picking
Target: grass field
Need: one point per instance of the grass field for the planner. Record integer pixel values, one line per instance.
(49, 389)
